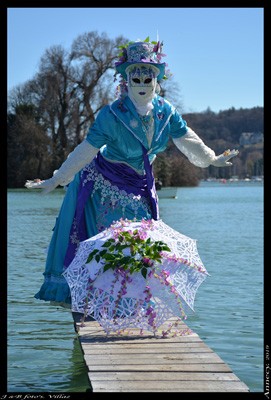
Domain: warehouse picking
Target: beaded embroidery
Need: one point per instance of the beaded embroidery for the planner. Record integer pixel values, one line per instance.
(111, 193)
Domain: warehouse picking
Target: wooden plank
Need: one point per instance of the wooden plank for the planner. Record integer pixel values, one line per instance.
(93, 328)
(146, 350)
(135, 362)
(167, 386)
(154, 376)
(152, 345)
(189, 367)
(98, 340)
(142, 358)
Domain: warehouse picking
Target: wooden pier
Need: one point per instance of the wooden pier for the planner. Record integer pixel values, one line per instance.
(137, 363)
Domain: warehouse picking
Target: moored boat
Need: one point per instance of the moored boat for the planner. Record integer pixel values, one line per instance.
(169, 192)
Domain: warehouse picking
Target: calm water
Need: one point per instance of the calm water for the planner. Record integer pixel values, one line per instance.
(226, 219)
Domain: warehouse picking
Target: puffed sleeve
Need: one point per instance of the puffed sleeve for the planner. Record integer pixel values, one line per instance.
(178, 126)
(98, 134)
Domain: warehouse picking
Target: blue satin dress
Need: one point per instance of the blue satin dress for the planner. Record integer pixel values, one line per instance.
(120, 135)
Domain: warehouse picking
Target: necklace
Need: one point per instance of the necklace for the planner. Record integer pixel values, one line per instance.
(147, 125)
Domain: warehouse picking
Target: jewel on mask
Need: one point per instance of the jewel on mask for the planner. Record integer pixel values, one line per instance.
(141, 76)
(142, 81)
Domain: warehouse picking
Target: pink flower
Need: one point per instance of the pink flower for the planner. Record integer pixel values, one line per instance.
(156, 47)
(149, 310)
(147, 261)
(143, 234)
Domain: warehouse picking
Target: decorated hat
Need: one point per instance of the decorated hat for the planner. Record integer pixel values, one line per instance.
(141, 53)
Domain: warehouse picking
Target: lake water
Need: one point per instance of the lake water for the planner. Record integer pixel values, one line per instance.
(226, 219)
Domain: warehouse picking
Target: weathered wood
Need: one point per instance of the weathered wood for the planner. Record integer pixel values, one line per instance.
(169, 376)
(153, 348)
(190, 367)
(167, 386)
(144, 363)
(142, 358)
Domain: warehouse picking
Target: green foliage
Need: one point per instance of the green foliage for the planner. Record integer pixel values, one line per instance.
(143, 253)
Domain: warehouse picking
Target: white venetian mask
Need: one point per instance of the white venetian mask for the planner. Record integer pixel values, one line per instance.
(142, 83)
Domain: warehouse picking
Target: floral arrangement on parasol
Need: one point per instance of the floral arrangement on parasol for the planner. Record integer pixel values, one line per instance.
(127, 277)
(143, 252)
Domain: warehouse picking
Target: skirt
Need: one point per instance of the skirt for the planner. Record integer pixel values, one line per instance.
(101, 193)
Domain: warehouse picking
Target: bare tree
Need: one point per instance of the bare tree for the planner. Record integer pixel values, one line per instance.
(171, 91)
(70, 89)
(93, 58)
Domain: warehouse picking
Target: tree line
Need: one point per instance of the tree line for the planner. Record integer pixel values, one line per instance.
(51, 113)
(219, 131)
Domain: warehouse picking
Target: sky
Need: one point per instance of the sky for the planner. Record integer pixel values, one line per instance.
(214, 54)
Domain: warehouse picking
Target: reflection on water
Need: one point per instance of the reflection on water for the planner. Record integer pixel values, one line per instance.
(44, 353)
(79, 377)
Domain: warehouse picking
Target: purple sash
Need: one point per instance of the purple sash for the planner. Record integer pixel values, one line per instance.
(121, 175)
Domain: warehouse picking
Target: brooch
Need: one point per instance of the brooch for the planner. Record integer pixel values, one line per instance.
(133, 123)
(122, 107)
(160, 115)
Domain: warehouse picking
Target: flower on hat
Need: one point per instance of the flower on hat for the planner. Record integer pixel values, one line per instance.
(142, 52)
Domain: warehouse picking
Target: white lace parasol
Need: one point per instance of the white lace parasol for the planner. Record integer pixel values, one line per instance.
(147, 302)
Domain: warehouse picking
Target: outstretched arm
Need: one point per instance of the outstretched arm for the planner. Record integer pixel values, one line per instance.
(201, 155)
(83, 154)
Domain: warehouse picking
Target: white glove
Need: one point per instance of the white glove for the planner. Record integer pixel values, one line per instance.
(77, 159)
(48, 185)
(223, 159)
(192, 146)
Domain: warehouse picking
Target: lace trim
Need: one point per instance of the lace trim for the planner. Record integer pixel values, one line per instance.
(119, 300)
(112, 193)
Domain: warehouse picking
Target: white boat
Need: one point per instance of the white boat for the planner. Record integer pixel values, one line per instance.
(168, 192)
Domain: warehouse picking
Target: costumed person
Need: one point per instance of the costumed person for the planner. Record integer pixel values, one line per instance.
(109, 175)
